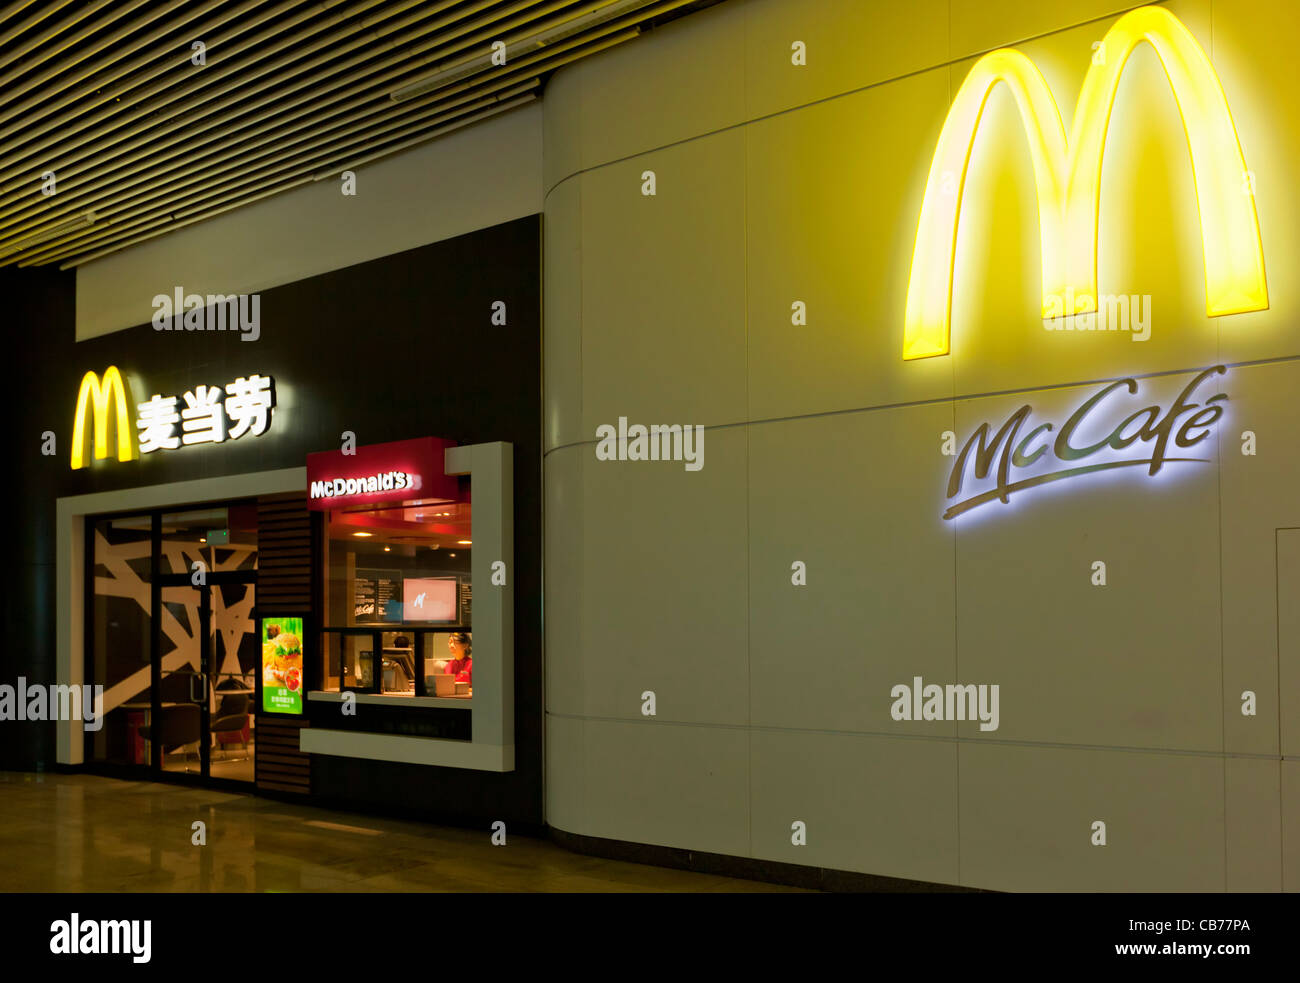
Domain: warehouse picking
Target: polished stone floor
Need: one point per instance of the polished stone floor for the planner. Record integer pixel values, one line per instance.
(83, 833)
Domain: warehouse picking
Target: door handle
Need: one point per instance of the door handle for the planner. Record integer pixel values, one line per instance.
(194, 678)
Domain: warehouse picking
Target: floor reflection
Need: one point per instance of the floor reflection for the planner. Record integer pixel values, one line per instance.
(83, 833)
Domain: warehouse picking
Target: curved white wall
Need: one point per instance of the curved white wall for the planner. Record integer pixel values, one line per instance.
(776, 184)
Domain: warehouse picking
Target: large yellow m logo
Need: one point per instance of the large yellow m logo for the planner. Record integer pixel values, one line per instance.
(98, 398)
(1068, 175)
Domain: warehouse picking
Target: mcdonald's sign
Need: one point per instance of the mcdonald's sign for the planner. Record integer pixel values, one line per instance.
(98, 397)
(1068, 178)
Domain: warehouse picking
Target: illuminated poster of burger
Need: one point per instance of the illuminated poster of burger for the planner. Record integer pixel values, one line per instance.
(282, 665)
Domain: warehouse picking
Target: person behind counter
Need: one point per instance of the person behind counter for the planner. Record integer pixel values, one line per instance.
(461, 664)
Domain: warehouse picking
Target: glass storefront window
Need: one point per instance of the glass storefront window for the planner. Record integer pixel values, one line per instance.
(449, 664)
(403, 572)
(411, 663)
(119, 644)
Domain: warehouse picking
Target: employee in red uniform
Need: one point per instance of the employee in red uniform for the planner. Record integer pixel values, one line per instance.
(461, 665)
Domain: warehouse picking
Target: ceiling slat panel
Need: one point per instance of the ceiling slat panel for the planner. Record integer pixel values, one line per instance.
(101, 101)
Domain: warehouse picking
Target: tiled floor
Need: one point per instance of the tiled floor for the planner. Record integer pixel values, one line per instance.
(82, 833)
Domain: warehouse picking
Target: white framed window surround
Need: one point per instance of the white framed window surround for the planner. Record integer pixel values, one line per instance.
(490, 467)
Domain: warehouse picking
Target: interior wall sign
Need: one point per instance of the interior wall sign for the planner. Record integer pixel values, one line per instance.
(1068, 177)
(203, 415)
(1154, 435)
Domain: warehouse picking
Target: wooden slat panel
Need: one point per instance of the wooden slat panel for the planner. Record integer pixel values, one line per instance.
(280, 787)
(284, 755)
(280, 737)
(284, 575)
(277, 775)
(296, 783)
(272, 722)
(284, 585)
(300, 763)
(280, 726)
(274, 769)
(285, 760)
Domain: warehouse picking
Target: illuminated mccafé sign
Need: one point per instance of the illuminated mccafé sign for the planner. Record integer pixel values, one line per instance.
(1029, 454)
(203, 415)
(1068, 176)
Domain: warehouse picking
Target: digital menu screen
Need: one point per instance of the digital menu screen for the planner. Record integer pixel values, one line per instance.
(282, 665)
(429, 599)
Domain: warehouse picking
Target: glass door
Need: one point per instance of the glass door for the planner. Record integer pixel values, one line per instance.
(206, 695)
(171, 621)
(233, 660)
(208, 656)
(182, 706)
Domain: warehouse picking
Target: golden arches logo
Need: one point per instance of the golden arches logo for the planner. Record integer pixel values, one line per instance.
(97, 397)
(1068, 176)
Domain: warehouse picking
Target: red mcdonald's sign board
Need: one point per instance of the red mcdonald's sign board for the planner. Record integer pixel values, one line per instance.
(399, 471)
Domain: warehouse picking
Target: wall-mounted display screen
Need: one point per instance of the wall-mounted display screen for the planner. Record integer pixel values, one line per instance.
(282, 665)
(427, 599)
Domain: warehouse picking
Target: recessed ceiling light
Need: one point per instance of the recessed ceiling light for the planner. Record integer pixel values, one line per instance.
(386, 549)
(363, 534)
(464, 542)
(452, 555)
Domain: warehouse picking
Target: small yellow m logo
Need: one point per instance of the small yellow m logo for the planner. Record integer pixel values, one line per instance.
(1068, 176)
(98, 398)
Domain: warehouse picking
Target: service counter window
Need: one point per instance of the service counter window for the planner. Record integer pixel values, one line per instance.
(399, 559)
(398, 601)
